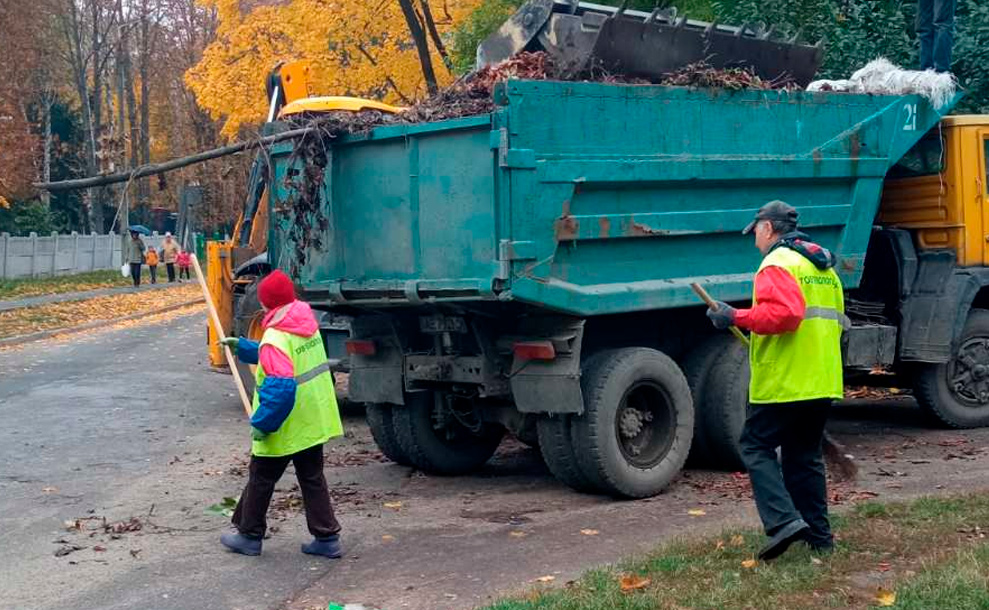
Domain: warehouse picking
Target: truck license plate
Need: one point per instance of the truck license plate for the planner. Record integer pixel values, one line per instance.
(442, 324)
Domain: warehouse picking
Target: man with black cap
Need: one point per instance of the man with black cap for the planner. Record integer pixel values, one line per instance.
(796, 321)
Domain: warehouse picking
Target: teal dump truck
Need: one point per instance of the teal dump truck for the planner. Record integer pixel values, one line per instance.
(529, 270)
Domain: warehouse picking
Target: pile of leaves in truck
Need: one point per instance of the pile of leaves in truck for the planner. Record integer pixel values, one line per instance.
(471, 95)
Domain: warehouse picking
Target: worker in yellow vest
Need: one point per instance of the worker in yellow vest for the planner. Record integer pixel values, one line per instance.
(295, 412)
(796, 320)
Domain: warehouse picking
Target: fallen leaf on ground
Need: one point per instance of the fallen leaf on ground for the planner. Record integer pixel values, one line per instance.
(737, 540)
(590, 532)
(885, 597)
(223, 508)
(546, 579)
(696, 512)
(633, 582)
(99, 549)
(517, 534)
(816, 561)
(65, 550)
(49, 490)
(749, 563)
(393, 505)
(719, 545)
(135, 552)
(883, 566)
(387, 538)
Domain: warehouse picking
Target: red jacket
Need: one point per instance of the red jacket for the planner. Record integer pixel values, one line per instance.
(781, 304)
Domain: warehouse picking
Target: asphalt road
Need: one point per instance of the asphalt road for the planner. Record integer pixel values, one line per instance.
(131, 424)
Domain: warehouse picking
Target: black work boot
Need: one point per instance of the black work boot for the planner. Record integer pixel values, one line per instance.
(781, 540)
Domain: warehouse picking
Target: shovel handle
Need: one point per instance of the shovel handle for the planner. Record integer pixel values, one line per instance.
(712, 304)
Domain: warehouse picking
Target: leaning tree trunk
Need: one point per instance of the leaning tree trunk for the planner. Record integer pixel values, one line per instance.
(422, 45)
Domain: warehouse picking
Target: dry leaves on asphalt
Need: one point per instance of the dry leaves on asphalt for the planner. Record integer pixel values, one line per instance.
(696, 512)
(393, 505)
(632, 582)
(885, 597)
(55, 316)
(517, 534)
(590, 532)
(546, 579)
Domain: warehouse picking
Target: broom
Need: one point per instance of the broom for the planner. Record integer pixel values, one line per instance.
(839, 462)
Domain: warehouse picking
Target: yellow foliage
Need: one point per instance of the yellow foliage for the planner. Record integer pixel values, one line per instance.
(356, 47)
(4, 203)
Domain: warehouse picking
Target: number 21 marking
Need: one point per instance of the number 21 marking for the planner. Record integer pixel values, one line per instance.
(911, 122)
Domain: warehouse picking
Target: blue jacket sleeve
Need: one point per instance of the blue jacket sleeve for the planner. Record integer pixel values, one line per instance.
(247, 350)
(276, 397)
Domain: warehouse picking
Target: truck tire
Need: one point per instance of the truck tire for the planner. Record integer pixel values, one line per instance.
(697, 368)
(956, 393)
(379, 420)
(556, 447)
(247, 324)
(637, 425)
(722, 414)
(448, 450)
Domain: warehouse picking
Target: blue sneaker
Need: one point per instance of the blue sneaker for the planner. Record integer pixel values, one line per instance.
(327, 547)
(239, 543)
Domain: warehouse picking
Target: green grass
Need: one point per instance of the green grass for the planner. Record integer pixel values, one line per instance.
(931, 548)
(20, 289)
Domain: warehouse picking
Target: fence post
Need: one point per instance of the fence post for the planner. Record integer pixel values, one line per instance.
(34, 252)
(75, 252)
(6, 253)
(54, 253)
(93, 266)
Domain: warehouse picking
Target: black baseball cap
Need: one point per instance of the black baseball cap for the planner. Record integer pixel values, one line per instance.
(774, 210)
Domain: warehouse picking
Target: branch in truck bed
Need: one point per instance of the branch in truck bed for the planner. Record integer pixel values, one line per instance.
(160, 168)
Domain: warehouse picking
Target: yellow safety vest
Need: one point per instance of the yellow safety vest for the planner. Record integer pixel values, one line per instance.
(804, 364)
(315, 417)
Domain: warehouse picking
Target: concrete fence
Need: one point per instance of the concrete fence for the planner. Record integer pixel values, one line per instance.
(49, 255)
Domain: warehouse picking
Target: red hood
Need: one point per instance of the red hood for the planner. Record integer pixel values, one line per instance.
(296, 318)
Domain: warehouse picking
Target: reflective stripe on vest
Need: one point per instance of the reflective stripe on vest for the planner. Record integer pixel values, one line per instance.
(804, 364)
(315, 417)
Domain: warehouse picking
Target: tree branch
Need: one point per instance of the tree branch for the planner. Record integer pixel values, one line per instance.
(152, 169)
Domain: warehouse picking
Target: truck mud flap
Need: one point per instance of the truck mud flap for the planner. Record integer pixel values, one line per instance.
(552, 386)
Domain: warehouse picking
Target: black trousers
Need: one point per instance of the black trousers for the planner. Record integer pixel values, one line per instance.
(184, 271)
(170, 267)
(936, 31)
(153, 269)
(250, 515)
(795, 486)
(135, 273)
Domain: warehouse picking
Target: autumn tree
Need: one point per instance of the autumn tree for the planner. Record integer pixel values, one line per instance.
(356, 47)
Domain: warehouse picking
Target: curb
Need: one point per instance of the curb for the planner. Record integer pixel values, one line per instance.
(47, 334)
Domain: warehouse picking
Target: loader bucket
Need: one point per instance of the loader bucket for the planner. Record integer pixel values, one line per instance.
(582, 35)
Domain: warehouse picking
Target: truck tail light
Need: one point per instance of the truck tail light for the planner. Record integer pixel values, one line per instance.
(360, 347)
(534, 350)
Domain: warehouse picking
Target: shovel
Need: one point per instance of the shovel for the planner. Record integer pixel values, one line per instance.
(838, 460)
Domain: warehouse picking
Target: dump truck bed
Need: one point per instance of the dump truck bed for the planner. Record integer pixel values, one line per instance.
(585, 198)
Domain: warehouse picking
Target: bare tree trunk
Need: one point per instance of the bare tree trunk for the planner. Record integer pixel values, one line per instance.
(427, 18)
(422, 45)
(73, 31)
(96, 210)
(143, 188)
(46, 170)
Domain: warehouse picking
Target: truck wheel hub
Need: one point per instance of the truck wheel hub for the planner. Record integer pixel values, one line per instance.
(969, 374)
(645, 425)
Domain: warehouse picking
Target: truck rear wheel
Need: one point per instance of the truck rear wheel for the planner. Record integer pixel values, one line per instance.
(379, 420)
(638, 422)
(247, 323)
(697, 368)
(439, 437)
(556, 446)
(957, 392)
(722, 413)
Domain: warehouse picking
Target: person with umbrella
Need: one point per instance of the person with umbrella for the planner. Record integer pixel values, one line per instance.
(135, 255)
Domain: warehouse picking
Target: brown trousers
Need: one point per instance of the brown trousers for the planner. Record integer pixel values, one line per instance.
(250, 515)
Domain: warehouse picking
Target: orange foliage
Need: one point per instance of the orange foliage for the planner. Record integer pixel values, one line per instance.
(356, 47)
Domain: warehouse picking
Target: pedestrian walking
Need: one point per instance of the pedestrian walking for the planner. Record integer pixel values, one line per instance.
(135, 256)
(184, 261)
(152, 260)
(796, 320)
(169, 254)
(295, 412)
(936, 33)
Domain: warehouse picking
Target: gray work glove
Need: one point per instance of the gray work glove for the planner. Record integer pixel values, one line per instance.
(723, 317)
